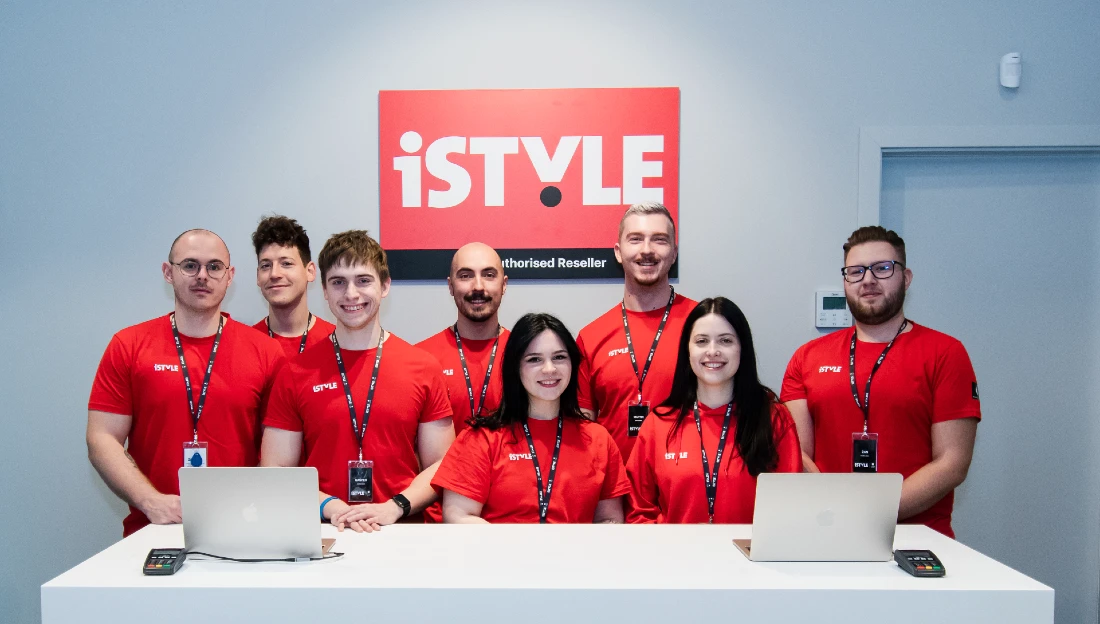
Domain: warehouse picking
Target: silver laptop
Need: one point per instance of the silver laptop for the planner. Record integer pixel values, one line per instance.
(824, 517)
(251, 513)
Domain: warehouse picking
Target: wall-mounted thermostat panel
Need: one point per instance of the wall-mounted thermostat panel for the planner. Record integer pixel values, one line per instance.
(832, 309)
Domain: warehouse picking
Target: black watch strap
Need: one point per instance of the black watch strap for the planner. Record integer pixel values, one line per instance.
(403, 503)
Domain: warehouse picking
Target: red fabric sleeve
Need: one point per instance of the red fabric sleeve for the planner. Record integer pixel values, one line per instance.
(111, 390)
(644, 497)
(793, 387)
(282, 406)
(466, 466)
(786, 440)
(615, 483)
(953, 386)
(585, 396)
(438, 403)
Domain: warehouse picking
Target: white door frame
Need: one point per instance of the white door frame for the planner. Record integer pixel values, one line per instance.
(877, 141)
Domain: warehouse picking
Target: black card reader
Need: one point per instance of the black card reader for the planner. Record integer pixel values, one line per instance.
(163, 561)
(919, 563)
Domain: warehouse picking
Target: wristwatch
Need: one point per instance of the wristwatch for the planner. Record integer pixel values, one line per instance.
(403, 503)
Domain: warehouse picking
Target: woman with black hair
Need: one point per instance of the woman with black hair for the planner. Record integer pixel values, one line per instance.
(699, 453)
(537, 458)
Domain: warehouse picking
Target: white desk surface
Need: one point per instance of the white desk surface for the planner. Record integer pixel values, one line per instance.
(533, 573)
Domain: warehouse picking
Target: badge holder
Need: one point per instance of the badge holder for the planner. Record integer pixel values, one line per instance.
(636, 412)
(864, 452)
(194, 454)
(360, 481)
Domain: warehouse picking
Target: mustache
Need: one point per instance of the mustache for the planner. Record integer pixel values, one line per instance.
(477, 294)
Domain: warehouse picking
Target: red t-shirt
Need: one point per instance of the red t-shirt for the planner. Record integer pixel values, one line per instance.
(926, 378)
(445, 349)
(494, 468)
(140, 376)
(606, 383)
(308, 396)
(668, 476)
(318, 333)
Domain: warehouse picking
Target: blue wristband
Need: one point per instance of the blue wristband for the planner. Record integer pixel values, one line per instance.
(323, 503)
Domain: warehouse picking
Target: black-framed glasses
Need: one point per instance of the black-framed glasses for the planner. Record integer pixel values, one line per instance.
(215, 268)
(881, 270)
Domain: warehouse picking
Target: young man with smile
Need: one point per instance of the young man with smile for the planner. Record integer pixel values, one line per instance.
(629, 353)
(284, 272)
(910, 402)
(369, 410)
(182, 389)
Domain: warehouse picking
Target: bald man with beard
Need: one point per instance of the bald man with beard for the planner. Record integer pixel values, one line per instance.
(183, 389)
(470, 349)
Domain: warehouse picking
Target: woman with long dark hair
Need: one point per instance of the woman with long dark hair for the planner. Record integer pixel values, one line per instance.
(699, 453)
(537, 458)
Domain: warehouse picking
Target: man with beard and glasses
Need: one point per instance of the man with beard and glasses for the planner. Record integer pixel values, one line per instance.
(629, 353)
(921, 418)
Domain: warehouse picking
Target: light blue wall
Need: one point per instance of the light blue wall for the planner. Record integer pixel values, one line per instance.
(123, 123)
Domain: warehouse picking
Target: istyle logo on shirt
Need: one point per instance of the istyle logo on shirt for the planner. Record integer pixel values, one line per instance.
(449, 371)
(683, 455)
(614, 352)
(519, 456)
(542, 175)
(829, 369)
(167, 367)
(325, 386)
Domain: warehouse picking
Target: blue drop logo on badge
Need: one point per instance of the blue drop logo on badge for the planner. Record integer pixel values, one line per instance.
(196, 460)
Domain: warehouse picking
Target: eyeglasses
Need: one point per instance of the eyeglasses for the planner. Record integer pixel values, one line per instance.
(215, 269)
(881, 270)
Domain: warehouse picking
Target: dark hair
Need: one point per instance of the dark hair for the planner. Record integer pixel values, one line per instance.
(875, 234)
(514, 401)
(752, 401)
(282, 231)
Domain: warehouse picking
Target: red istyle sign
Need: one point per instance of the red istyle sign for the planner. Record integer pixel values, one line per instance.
(542, 175)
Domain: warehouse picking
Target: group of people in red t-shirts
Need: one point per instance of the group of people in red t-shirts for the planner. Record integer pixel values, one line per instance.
(654, 413)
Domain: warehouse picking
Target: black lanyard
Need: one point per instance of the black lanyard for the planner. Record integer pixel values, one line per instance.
(476, 411)
(544, 494)
(866, 406)
(653, 349)
(196, 410)
(301, 345)
(710, 479)
(355, 429)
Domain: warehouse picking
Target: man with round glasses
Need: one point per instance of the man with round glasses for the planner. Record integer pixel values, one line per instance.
(921, 418)
(183, 389)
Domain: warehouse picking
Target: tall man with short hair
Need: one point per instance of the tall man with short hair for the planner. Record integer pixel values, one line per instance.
(284, 271)
(887, 395)
(369, 410)
(629, 353)
(162, 400)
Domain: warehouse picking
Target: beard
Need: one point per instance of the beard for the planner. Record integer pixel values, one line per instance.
(868, 314)
(478, 314)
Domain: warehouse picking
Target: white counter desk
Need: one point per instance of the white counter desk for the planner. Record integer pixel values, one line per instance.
(534, 574)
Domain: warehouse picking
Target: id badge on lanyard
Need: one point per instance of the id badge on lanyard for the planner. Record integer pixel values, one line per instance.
(194, 454)
(636, 412)
(360, 481)
(360, 472)
(864, 443)
(638, 409)
(864, 452)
